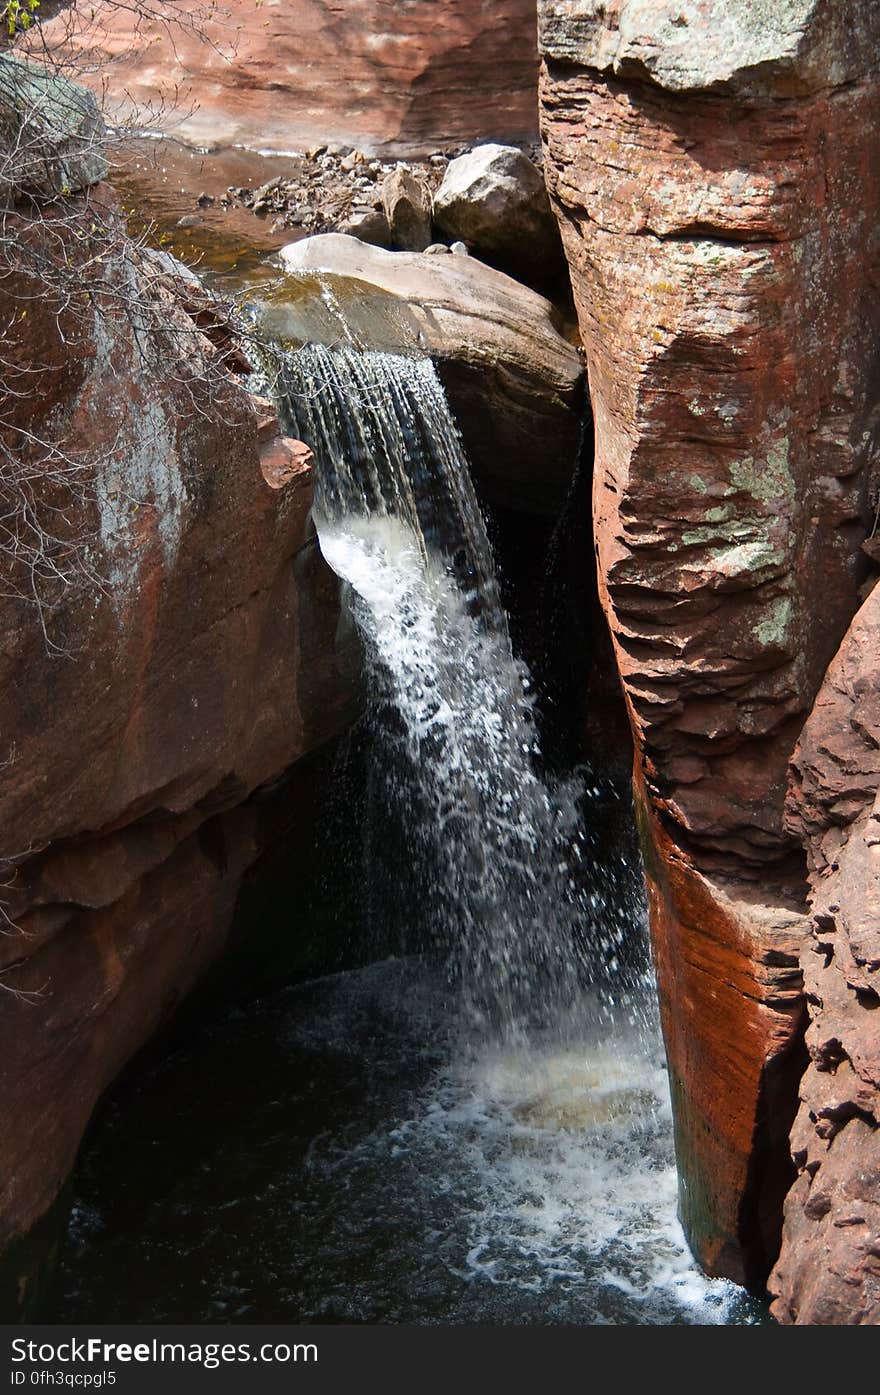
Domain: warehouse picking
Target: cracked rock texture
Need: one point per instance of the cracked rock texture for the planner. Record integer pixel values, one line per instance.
(829, 1267)
(713, 169)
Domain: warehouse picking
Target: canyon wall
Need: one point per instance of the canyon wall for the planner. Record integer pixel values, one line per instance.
(169, 651)
(415, 75)
(713, 169)
(829, 1268)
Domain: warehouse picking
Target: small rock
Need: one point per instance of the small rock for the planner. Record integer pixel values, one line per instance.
(189, 220)
(268, 188)
(368, 225)
(407, 204)
(205, 200)
(436, 248)
(459, 249)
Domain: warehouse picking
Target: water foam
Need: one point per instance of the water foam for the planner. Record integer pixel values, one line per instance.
(527, 1184)
(548, 1132)
(501, 847)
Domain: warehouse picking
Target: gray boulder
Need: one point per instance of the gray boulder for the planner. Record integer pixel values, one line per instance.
(494, 200)
(51, 133)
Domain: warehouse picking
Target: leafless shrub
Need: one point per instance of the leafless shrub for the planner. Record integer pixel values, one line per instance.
(71, 275)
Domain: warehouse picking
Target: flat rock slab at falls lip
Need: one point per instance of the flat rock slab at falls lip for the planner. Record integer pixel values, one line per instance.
(514, 381)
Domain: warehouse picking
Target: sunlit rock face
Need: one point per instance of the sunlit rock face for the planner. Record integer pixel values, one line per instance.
(712, 169)
(829, 1267)
(414, 75)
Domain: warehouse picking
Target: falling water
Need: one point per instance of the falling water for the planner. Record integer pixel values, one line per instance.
(499, 848)
(509, 1161)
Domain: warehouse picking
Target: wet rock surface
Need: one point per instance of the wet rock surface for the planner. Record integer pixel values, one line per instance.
(168, 650)
(515, 383)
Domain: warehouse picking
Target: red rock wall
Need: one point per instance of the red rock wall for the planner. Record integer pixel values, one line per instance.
(829, 1267)
(415, 74)
(191, 660)
(718, 196)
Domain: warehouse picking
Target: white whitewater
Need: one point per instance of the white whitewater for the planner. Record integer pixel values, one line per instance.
(554, 1103)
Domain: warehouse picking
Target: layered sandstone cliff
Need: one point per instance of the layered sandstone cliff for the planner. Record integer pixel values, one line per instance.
(414, 75)
(712, 167)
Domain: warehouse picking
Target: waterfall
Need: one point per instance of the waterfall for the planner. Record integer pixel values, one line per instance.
(510, 1161)
(496, 847)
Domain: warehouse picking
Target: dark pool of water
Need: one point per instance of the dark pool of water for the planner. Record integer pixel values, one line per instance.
(336, 1154)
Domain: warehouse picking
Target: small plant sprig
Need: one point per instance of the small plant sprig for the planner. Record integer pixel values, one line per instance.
(18, 14)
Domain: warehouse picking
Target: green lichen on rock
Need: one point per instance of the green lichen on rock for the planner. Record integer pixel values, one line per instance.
(770, 480)
(750, 47)
(771, 631)
(51, 133)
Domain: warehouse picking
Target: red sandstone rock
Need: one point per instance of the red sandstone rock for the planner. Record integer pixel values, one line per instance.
(718, 198)
(187, 661)
(829, 1266)
(406, 202)
(371, 72)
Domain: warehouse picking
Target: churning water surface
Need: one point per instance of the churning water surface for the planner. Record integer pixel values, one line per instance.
(337, 1154)
(478, 1130)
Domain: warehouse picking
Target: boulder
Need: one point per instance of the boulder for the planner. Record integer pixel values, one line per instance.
(51, 132)
(407, 204)
(712, 168)
(514, 382)
(829, 1266)
(168, 633)
(494, 200)
(289, 76)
